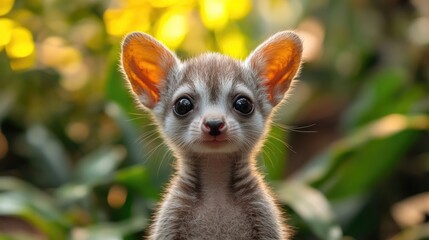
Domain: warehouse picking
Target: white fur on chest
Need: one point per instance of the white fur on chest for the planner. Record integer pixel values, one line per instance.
(219, 218)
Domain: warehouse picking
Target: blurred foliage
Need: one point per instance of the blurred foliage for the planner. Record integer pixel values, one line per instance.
(348, 155)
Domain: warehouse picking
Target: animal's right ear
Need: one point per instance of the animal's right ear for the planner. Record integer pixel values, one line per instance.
(146, 63)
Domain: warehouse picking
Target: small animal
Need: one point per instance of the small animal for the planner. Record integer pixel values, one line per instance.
(214, 112)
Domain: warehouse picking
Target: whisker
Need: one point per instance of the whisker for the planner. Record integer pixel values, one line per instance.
(153, 139)
(268, 156)
(166, 153)
(284, 143)
(139, 113)
(138, 116)
(154, 150)
(268, 143)
(135, 118)
(152, 136)
(296, 129)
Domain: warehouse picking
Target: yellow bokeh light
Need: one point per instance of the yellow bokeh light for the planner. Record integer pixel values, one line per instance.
(6, 26)
(5, 6)
(21, 43)
(389, 125)
(233, 44)
(121, 21)
(114, 21)
(22, 63)
(54, 52)
(78, 131)
(117, 196)
(172, 28)
(280, 12)
(68, 60)
(164, 3)
(214, 13)
(238, 9)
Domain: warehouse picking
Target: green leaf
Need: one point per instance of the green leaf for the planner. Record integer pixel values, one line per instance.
(373, 150)
(111, 231)
(137, 178)
(312, 207)
(47, 155)
(96, 168)
(129, 132)
(375, 99)
(100, 165)
(371, 160)
(71, 192)
(20, 199)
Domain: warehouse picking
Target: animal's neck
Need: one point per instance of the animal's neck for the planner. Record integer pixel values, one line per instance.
(214, 176)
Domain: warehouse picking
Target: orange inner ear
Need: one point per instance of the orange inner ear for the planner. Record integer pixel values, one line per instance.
(145, 77)
(146, 63)
(281, 59)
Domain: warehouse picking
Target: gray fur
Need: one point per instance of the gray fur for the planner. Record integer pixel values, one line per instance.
(216, 193)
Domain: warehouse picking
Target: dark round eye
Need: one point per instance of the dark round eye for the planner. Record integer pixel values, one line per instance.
(243, 105)
(183, 106)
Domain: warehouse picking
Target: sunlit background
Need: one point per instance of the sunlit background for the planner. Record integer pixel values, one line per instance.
(348, 155)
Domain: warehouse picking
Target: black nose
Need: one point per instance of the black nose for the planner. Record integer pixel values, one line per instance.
(215, 126)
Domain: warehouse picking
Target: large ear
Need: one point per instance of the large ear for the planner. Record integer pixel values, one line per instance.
(146, 64)
(276, 62)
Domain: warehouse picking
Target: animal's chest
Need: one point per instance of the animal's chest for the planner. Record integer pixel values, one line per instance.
(216, 218)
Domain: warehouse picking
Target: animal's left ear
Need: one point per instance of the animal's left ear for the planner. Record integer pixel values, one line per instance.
(276, 62)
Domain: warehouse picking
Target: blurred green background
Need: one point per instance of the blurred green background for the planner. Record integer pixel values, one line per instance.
(348, 155)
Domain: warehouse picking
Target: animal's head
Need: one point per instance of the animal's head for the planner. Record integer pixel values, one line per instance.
(211, 104)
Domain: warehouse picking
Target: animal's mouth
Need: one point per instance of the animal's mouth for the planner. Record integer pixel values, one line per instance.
(215, 143)
(220, 144)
